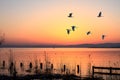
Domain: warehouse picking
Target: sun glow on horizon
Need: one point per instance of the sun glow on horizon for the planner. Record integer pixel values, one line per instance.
(31, 22)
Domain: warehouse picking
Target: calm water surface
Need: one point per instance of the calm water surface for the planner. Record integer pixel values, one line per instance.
(61, 56)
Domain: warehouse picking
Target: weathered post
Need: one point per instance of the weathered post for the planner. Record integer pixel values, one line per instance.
(3, 64)
(41, 66)
(64, 68)
(93, 72)
(78, 69)
(21, 65)
(51, 66)
(110, 71)
(30, 65)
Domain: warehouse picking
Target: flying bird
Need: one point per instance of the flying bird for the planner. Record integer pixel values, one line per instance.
(68, 31)
(89, 32)
(103, 36)
(70, 15)
(73, 28)
(100, 14)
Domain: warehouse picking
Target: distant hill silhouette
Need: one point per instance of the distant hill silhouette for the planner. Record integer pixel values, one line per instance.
(101, 45)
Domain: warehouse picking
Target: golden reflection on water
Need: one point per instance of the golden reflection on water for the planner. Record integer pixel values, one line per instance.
(71, 57)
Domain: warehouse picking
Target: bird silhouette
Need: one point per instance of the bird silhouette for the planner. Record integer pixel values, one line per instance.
(100, 14)
(70, 15)
(73, 28)
(68, 31)
(103, 36)
(89, 32)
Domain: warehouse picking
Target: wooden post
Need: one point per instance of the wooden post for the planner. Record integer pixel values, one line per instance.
(11, 68)
(3, 64)
(93, 72)
(30, 65)
(51, 66)
(64, 68)
(78, 69)
(21, 65)
(41, 66)
(110, 70)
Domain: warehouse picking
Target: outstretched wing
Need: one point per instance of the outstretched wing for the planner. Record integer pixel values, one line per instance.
(88, 32)
(68, 31)
(70, 15)
(100, 14)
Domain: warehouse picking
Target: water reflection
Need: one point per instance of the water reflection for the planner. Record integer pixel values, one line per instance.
(58, 60)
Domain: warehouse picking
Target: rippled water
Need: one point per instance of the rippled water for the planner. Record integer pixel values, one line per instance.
(71, 57)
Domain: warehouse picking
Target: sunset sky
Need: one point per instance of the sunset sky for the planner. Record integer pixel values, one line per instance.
(46, 21)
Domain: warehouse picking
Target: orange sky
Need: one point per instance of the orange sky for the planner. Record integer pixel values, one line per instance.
(45, 22)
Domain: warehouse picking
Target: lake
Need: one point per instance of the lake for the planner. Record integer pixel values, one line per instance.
(58, 57)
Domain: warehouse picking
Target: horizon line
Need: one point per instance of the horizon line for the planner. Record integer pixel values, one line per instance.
(87, 45)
